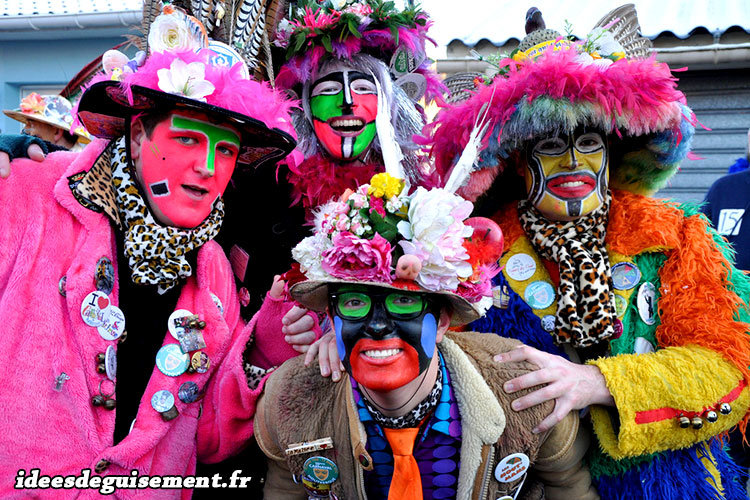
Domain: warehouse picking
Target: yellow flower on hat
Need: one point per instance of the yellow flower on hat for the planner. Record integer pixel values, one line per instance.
(385, 186)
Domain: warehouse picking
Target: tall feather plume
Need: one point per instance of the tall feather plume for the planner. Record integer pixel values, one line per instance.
(623, 24)
(248, 29)
(389, 147)
(151, 9)
(207, 14)
(465, 164)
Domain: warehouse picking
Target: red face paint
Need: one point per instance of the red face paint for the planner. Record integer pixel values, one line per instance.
(185, 166)
(384, 373)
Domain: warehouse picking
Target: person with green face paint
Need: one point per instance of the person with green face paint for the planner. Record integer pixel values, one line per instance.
(420, 412)
(359, 112)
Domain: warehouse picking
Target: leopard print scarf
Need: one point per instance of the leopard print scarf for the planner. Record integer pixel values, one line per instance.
(585, 303)
(156, 253)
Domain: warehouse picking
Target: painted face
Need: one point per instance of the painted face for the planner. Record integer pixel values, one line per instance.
(567, 176)
(185, 166)
(385, 338)
(344, 104)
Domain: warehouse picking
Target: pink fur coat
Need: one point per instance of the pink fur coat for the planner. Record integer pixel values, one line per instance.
(46, 234)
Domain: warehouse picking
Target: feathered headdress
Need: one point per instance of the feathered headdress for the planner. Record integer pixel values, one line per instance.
(553, 85)
(317, 29)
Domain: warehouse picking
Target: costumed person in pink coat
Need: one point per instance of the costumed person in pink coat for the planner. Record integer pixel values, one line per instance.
(358, 84)
(122, 335)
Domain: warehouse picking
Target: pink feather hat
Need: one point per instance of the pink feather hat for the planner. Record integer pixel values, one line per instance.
(189, 80)
(636, 101)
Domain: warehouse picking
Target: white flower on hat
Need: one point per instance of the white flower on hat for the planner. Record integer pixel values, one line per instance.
(437, 234)
(185, 79)
(309, 254)
(171, 32)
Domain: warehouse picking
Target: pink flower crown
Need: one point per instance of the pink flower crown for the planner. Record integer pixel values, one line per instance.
(380, 234)
(317, 29)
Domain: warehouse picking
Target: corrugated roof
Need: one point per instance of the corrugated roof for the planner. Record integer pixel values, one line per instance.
(22, 8)
(499, 20)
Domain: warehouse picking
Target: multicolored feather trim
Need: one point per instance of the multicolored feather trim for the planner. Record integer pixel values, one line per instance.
(671, 475)
(635, 101)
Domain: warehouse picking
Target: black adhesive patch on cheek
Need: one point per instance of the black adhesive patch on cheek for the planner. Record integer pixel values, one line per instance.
(159, 188)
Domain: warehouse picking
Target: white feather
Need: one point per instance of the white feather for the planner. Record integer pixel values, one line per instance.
(389, 147)
(465, 164)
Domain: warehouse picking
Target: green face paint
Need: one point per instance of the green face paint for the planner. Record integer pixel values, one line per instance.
(344, 105)
(213, 133)
(324, 107)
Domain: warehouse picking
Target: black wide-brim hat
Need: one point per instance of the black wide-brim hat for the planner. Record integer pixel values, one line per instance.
(106, 112)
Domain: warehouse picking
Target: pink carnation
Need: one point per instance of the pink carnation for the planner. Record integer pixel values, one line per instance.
(376, 204)
(356, 258)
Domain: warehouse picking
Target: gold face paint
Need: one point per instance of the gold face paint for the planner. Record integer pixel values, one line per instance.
(567, 176)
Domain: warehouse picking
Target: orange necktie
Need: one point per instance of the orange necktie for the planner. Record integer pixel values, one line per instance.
(406, 483)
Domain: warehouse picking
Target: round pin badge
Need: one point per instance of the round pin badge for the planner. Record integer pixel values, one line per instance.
(226, 56)
(548, 323)
(520, 267)
(61, 285)
(647, 303)
(162, 401)
(512, 468)
(189, 392)
(171, 361)
(95, 308)
(114, 324)
(500, 299)
(625, 275)
(200, 362)
(539, 294)
(218, 303)
(105, 275)
(621, 305)
(321, 470)
(110, 362)
(173, 323)
(642, 346)
(617, 325)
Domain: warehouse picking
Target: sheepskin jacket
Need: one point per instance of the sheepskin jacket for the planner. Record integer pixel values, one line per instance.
(299, 406)
(47, 235)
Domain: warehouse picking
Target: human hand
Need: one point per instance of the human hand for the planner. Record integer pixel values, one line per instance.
(34, 151)
(571, 386)
(328, 356)
(298, 329)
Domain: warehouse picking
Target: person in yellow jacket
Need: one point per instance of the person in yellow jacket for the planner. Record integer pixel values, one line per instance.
(632, 304)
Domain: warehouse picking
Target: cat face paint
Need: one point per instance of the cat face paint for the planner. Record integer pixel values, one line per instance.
(344, 104)
(385, 338)
(567, 176)
(185, 166)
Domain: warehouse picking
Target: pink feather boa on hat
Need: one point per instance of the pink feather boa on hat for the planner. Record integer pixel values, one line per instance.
(231, 91)
(629, 97)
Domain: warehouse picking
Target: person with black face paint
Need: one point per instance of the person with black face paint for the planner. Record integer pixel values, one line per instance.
(421, 412)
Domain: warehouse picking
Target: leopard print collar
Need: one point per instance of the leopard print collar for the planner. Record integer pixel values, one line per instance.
(156, 253)
(415, 416)
(585, 304)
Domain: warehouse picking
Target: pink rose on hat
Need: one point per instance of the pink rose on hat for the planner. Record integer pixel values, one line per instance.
(359, 259)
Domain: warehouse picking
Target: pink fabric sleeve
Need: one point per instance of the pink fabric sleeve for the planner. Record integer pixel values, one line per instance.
(269, 348)
(226, 422)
